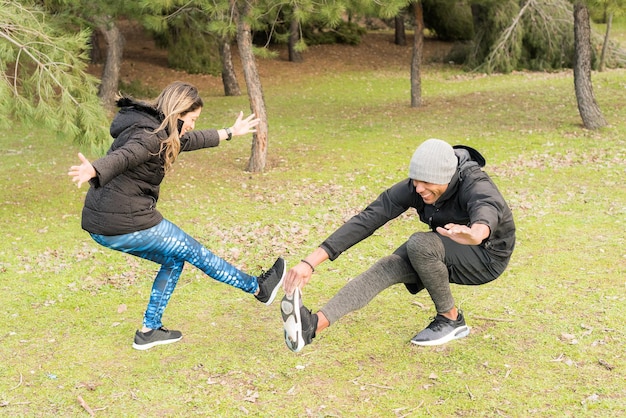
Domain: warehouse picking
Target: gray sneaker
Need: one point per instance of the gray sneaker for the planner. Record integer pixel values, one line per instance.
(299, 322)
(159, 336)
(442, 330)
(270, 281)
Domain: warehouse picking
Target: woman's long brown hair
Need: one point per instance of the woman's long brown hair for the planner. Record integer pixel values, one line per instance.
(175, 100)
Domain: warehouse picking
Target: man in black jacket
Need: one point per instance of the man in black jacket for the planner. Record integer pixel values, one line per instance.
(470, 242)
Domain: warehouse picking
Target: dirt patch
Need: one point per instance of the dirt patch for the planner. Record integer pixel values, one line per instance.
(146, 63)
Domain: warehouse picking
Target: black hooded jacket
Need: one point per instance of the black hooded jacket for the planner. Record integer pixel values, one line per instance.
(123, 195)
(471, 197)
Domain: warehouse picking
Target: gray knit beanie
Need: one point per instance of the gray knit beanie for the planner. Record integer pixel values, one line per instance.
(434, 162)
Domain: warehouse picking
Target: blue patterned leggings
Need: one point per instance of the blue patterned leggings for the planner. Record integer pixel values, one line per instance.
(169, 246)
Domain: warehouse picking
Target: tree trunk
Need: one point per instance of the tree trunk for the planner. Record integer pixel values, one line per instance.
(418, 51)
(258, 156)
(605, 44)
(399, 32)
(109, 83)
(97, 51)
(294, 37)
(229, 78)
(587, 106)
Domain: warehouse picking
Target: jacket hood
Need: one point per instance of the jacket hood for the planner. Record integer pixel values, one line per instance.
(468, 158)
(466, 153)
(136, 114)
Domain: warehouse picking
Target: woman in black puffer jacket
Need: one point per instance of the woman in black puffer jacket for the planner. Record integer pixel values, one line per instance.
(120, 207)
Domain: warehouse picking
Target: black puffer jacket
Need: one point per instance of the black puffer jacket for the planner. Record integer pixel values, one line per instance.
(123, 195)
(471, 197)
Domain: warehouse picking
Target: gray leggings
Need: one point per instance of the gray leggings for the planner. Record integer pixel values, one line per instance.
(427, 260)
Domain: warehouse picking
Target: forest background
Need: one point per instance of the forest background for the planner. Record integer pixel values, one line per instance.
(547, 337)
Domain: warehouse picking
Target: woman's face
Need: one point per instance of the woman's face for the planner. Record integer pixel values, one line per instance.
(189, 121)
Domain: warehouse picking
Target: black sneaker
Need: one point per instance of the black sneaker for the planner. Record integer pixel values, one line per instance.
(270, 281)
(298, 322)
(160, 336)
(442, 330)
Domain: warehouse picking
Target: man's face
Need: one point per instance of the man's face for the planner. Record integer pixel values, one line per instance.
(429, 192)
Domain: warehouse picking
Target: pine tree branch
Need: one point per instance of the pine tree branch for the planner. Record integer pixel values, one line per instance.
(507, 34)
(23, 48)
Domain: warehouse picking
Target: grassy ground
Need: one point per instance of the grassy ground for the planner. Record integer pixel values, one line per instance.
(547, 337)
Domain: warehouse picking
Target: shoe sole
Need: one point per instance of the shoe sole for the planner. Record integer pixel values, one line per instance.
(292, 322)
(460, 332)
(275, 291)
(154, 344)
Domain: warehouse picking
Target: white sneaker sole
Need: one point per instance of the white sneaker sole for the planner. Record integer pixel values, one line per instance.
(460, 332)
(154, 344)
(292, 322)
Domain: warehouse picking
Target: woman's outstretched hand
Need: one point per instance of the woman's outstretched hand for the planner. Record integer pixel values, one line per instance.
(82, 173)
(245, 126)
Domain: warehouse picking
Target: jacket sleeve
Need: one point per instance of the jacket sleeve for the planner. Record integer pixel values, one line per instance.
(389, 205)
(485, 204)
(195, 140)
(135, 151)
